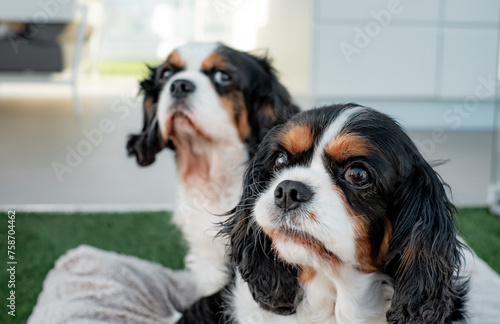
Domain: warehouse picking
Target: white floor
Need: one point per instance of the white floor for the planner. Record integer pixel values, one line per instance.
(38, 130)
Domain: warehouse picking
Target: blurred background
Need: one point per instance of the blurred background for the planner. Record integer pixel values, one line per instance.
(69, 74)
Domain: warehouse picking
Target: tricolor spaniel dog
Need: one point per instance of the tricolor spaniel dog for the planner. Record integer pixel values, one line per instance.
(212, 105)
(341, 221)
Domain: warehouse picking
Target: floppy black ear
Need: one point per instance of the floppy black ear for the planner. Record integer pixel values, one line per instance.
(146, 144)
(273, 284)
(425, 254)
(207, 310)
(268, 102)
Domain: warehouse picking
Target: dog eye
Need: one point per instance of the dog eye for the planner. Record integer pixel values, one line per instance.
(222, 78)
(167, 73)
(280, 162)
(357, 176)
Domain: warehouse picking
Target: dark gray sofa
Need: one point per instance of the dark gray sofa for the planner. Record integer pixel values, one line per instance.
(36, 48)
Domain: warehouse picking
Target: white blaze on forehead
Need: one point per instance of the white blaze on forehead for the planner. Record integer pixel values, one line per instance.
(334, 129)
(193, 54)
(338, 125)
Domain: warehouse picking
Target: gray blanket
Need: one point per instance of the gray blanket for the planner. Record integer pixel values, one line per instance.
(89, 285)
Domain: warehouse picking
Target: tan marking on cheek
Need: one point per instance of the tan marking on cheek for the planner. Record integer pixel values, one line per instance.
(363, 247)
(298, 139)
(366, 263)
(235, 107)
(345, 146)
(313, 217)
(211, 61)
(307, 274)
(228, 105)
(384, 246)
(242, 124)
(175, 59)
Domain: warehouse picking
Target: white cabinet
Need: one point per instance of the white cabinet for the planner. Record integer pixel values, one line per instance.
(401, 61)
(335, 10)
(404, 50)
(477, 11)
(468, 54)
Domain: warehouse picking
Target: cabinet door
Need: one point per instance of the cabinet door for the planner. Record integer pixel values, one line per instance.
(482, 11)
(468, 54)
(400, 61)
(333, 11)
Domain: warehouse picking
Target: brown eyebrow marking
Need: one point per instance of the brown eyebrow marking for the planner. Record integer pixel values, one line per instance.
(211, 61)
(298, 139)
(345, 146)
(175, 59)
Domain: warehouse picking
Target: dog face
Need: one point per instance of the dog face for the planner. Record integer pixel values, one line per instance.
(208, 93)
(327, 204)
(343, 187)
(202, 97)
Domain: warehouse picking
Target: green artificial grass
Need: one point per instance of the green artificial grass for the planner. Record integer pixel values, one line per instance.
(42, 237)
(481, 230)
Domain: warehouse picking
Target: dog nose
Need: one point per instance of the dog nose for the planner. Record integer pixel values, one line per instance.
(290, 194)
(181, 88)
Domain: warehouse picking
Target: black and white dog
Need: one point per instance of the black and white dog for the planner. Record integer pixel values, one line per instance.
(341, 221)
(212, 105)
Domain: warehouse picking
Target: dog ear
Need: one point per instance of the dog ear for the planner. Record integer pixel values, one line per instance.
(146, 144)
(274, 285)
(424, 254)
(268, 101)
(207, 310)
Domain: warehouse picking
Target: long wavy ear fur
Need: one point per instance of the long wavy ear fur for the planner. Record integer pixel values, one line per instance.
(146, 144)
(424, 255)
(273, 284)
(268, 102)
(207, 310)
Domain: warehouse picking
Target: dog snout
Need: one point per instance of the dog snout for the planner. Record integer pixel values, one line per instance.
(181, 88)
(289, 194)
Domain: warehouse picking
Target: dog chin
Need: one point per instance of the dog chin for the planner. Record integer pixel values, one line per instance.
(292, 241)
(292, 251)
(182, 124)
